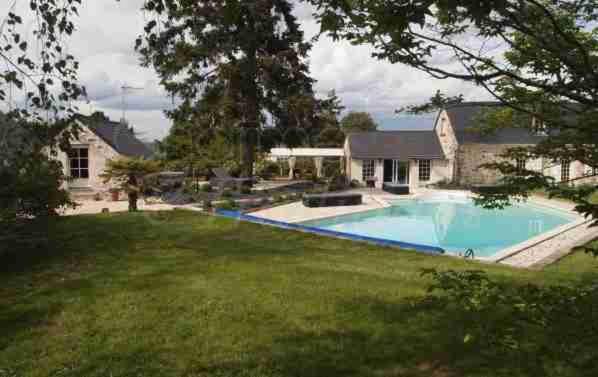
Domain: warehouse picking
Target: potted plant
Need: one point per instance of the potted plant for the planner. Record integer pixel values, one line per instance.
(114, 194)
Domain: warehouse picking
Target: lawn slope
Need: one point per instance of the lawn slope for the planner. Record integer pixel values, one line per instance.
(183, 294)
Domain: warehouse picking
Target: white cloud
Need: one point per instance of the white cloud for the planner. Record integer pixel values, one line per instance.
(104, 45)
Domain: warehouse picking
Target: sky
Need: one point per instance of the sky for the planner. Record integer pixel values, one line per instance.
(104, 43)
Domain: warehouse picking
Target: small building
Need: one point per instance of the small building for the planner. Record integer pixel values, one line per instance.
(397, 158)
(98, 141)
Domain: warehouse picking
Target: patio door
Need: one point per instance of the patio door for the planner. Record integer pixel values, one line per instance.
(396, 171)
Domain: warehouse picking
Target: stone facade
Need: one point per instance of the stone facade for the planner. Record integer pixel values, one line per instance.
(449, 144)
(99, 152)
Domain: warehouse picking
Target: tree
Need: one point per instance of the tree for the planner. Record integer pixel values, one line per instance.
(38, 92)
(31, 180)
(358, 122)
(129, 174)
(247, 57)
(538, 58)
(437, 102)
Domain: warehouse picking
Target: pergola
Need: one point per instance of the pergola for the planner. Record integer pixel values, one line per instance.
(318, 154)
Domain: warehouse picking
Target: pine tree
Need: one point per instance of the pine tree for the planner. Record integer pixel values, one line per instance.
(241, 61)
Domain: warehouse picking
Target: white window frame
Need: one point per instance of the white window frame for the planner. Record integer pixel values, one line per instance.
(520, 163)
(368, 169)
(424, 170)
(565, 170)
(75, 154)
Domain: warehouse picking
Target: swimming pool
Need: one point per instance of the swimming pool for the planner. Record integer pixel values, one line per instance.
(455, 225)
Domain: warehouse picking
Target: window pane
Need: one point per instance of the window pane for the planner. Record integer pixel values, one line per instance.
(84, 163)
(83, 152)
(84, 173)
(75, 173)
(368, 169)
(74, 163)
(424, 170)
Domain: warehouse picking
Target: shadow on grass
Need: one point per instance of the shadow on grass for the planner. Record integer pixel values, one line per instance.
(416, 338)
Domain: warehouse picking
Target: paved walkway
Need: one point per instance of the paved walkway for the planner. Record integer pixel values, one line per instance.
(296, 212)
(94, 207)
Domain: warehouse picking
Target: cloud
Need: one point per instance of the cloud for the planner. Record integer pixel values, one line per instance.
(104, 45)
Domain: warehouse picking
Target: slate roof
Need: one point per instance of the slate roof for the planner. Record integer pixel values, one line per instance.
(401, 145)
(118, 136)
(463, 118)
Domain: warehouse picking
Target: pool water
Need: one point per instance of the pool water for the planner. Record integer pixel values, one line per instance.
(454, 225)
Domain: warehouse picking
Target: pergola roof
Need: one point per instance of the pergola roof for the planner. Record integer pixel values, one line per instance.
(307, 152)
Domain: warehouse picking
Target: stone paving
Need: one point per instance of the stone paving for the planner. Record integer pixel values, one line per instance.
(89, 207)
(553, 249)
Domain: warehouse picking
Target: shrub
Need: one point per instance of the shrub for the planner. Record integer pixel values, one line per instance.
(229, 205)
(267, 169)
(337, 183)
(245, 190)
(227, 193)
(206, 188)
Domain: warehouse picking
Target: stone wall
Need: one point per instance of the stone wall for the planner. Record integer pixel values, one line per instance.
(448, 143)
(471, 156)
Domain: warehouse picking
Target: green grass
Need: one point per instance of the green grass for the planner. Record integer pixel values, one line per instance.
(182, 294)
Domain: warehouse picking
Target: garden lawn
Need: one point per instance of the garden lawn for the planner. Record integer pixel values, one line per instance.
(183, 294)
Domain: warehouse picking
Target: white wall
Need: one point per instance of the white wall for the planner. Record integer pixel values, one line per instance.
(99, 153)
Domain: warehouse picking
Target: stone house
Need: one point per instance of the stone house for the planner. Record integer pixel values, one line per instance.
(98, 141)
(452, 152)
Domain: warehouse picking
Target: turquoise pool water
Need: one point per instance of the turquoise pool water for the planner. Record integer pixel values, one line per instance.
(454, 225)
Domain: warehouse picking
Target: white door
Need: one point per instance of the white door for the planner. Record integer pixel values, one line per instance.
(79, 167)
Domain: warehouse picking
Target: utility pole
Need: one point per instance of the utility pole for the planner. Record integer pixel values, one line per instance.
(126, 88)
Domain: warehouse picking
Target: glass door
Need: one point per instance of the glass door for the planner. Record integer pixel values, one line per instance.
(400, 172)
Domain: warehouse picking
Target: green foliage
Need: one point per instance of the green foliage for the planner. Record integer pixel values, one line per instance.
(206, 188)
(229, 205)
(230, 62)
(358, 122)
(545, 326)
(338, 182)
(267, 169)
(130, 174)
(435, 103)
(227, 193)
(245, 190)
(31, 180)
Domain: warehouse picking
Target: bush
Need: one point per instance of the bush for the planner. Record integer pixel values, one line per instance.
(206, 188)
(245, 190)
(227, 193)
(229, 205)
(338, 183)
(267, 169)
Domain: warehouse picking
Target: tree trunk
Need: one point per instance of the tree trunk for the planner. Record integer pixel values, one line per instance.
(133, 193)
(133, 196)
(251, 96)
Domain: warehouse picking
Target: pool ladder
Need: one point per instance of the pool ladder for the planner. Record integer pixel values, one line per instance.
(469, 253)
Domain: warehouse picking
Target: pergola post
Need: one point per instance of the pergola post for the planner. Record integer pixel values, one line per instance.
(319, 162)
(292, 161)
